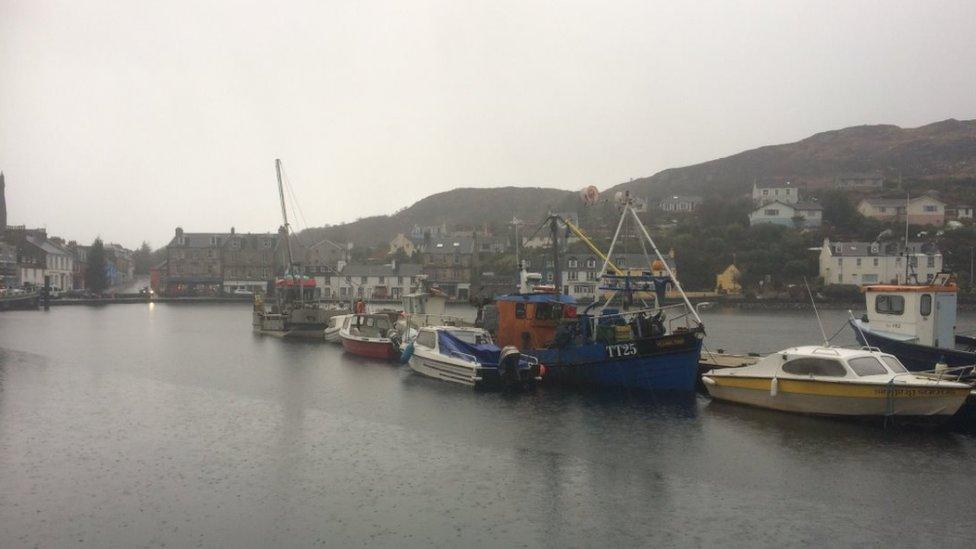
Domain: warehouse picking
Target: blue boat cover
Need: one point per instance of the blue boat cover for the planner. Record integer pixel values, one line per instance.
(485, 353)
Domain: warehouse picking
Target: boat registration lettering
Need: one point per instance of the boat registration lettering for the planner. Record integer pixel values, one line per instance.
(912, 392)
(622, 349)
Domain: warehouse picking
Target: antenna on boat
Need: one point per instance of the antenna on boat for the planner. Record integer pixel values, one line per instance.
(817, 313)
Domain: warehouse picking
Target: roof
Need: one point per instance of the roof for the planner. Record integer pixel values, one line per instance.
(47, 246)
(538, 298)
(886, 202)
(853, 175)
(450, 245)
(199, 240)
(898, 202)
(909, 288)
(774, 185)
(807, 206)
(403, 269)
(780, 202)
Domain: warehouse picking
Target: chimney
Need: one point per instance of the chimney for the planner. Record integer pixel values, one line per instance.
(232, 230)
(179, 232)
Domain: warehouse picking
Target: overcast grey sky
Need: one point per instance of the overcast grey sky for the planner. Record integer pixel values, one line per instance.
(126, 119)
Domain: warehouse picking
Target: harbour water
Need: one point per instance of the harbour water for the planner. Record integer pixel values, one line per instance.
(173, 425)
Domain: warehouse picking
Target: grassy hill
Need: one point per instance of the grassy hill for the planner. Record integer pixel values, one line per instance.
(943, 150)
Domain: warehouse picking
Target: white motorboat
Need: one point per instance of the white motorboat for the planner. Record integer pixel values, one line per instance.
(837, 382)
(335, 325)
(468, 356)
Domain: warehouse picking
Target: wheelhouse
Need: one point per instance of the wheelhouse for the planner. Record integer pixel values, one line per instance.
(925, 314)
(530, 320)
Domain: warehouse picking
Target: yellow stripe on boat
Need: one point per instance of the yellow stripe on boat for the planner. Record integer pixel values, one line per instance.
(839, 388)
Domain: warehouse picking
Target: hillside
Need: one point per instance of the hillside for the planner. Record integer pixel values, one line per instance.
(943, 150)
(464, 207)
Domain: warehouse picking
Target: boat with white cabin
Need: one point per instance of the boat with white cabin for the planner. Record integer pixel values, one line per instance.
(917, 324)
(834, 381)
(468, 356)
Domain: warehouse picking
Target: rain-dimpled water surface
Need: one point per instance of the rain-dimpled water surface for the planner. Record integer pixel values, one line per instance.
(174, 425)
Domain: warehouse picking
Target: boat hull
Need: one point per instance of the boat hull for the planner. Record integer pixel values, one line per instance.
(915, 357)
(668, 363)
(332, 335)
(377, 348)
(470, 374)
(838, 398)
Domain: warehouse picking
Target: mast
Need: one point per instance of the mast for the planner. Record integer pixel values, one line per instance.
(908, 203)
(556, 272)
(286, 230)
(284, 213)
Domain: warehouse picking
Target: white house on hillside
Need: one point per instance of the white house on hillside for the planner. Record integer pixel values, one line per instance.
(873, 262)
(680, 203)
(802, 214)
(763, 193)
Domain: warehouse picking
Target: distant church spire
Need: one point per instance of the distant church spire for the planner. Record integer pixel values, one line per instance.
(3, 204)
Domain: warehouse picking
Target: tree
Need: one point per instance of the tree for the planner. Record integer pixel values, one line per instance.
(839, 211)
(95, 278)
(142, 259)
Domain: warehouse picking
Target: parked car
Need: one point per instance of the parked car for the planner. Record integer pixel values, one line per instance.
(147, 291)
(55, 292)
(243, 292)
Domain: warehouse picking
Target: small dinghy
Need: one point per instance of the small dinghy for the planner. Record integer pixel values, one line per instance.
(335, 326)
(469, 357)
(836, 382)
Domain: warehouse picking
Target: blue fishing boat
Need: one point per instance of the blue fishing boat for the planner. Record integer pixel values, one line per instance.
(632, 345)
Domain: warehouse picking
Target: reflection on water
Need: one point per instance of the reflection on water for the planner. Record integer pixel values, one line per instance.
(140, 425)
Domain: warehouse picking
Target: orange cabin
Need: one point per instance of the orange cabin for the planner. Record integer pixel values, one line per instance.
(529, 321)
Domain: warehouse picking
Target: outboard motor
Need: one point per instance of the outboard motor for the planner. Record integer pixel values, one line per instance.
(508, 365)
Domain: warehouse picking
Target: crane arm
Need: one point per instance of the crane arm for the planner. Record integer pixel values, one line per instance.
(589, 243)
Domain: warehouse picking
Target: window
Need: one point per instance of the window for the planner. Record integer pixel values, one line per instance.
(382, 280)
(573, 275)
(867, 366)
(869, 278)
(931, 208)
(771, 212)
(590, 276)
(362, 280)
(765, 192)
(840, 261)
(893, 364)
(426, 338)
(815, 366)
(930, 262)
(591, 263)
(573, 263)
(859, 262)
(889, 304)
(876, 262)
(925, 305)
(520, 310)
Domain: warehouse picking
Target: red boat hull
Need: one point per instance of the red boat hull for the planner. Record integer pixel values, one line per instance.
(373, 349)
